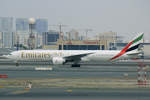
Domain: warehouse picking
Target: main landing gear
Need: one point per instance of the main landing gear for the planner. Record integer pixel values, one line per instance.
(75, 65)
(17, 64)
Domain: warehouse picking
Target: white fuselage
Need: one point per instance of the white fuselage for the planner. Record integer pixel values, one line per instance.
(48, 55)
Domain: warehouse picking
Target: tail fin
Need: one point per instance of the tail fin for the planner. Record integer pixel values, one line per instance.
(136, 42)
(131, 46)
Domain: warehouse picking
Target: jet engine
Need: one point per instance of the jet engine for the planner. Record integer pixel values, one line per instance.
(58, 60)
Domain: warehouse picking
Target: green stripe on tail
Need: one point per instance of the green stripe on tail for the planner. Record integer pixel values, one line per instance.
(138, 39)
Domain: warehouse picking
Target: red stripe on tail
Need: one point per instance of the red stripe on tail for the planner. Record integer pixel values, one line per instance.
(122, 51)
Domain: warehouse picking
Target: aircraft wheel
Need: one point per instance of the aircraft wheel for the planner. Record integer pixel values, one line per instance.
(75, 65)
(17, 64)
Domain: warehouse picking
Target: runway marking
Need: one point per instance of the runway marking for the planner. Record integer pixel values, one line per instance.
(19, 92)
(27, 89)
(51, 74)
(69, 90)
(1, 87)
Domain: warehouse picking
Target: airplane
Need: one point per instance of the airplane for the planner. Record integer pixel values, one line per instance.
(62, 57)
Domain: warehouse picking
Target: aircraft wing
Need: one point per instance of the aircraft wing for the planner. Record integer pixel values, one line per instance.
(75, 58)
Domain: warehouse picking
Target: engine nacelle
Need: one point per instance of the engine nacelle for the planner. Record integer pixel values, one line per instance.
(58, 60)
(84, 59)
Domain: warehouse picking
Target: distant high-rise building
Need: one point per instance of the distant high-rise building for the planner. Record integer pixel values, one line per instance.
(6, 29)
(22, 31)
(22, 24)
(6, 24)
(41, 25)
(8, 39)
(50, 38)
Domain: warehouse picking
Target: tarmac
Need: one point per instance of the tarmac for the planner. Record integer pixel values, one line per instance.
(74, 94)
(86, 82)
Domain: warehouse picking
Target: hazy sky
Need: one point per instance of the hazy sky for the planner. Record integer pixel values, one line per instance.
(121, 16)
